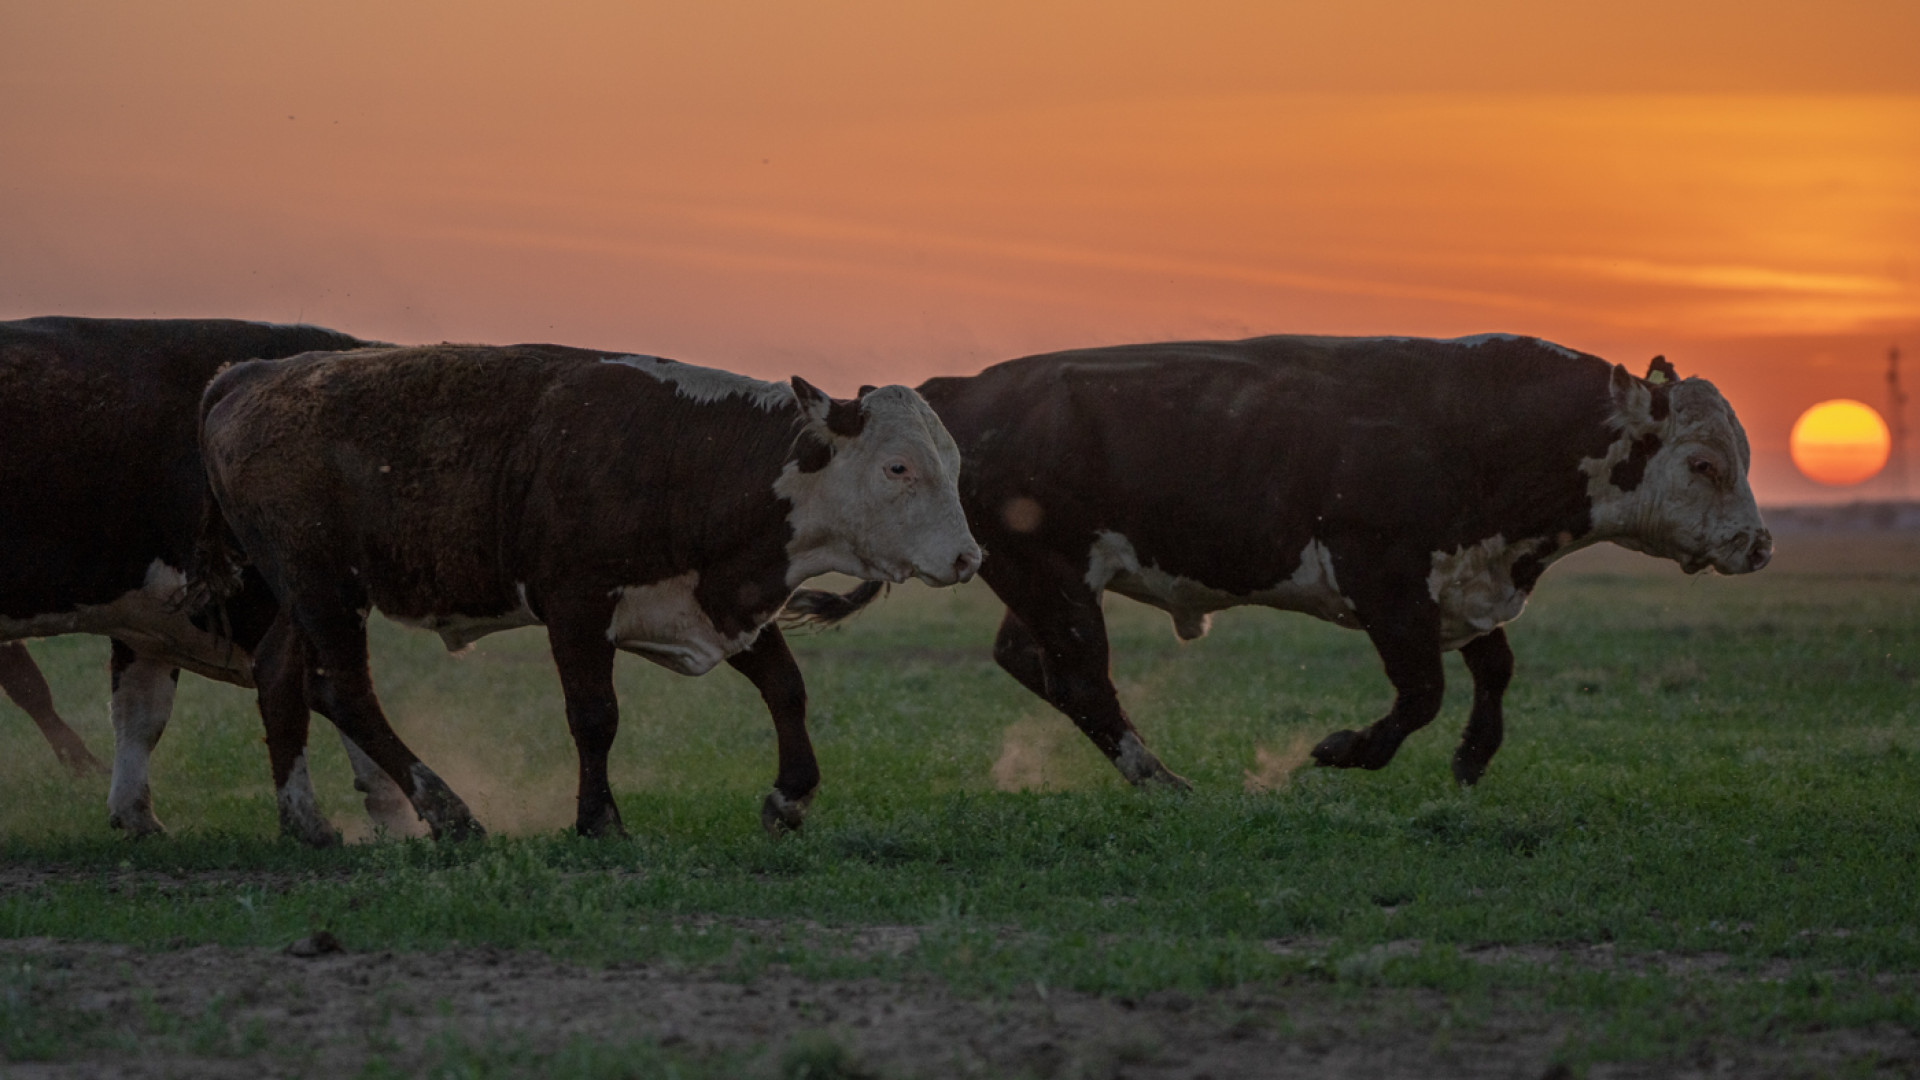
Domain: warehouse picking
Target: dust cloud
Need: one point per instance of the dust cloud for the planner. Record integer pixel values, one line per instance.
(1273, 769)
(512, 790)
(1034, 752)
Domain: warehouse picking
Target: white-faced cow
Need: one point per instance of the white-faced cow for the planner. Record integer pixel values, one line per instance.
(101, 497)
(1413, 489)
(623, 502)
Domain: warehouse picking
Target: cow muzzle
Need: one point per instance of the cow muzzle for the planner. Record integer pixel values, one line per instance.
(965, 565)
(1761, 553)
(1747, 553)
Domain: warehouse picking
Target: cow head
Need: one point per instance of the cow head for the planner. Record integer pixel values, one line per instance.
(1674, 481)
(874, 487)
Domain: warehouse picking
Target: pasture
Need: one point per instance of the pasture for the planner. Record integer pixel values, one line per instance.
(1698, 851)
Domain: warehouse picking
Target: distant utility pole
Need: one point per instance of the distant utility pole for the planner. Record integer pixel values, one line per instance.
(1897, 425)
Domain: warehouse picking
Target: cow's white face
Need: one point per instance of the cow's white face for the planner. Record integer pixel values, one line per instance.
(876, 494)
(1674, 484)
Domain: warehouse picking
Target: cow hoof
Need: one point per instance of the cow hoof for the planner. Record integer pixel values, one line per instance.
(136, 828)
(308, 827)
(607, 823)
(446, 816)
(458, 830)
(80, 763)
(324, 836)
(1468, 773)
(1142, 769)
(137, 820)
(1341, 750)
(780, 815)
(1163, 779)
(393, 817)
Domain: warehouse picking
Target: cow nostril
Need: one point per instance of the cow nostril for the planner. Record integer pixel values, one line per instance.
(1761, 553)
(965, 565)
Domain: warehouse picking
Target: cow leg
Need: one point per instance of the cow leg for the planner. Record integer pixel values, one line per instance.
(142, 702)
(280, 676)
(769, 665)
(342, 690)
(1407, 636)
(387, 805)
(584, 657)
(21, 680)
(1490, 661)
(1060, 622)
(1017, 652)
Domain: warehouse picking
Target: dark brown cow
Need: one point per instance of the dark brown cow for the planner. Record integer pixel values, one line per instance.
(1413, 489)
(101, 495)
(623, 502)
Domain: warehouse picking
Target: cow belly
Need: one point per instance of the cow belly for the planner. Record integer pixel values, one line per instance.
(150, 621)
(1311, 589)
(664, 623)
(1474, 587)
(459, 631)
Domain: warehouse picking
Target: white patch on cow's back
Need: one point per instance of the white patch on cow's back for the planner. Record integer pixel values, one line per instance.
(152, 622)
(1474, 587)
(705, 385)
(1472, 340)
(1311, 589)
(459, 632)
(664, 623)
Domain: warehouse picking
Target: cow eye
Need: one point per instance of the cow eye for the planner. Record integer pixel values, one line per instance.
(1706, 468)
(897, 469)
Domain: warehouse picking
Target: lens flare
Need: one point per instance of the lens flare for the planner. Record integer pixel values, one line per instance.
(1839, 442)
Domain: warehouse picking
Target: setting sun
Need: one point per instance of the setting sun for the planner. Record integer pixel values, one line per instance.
(1839, 442)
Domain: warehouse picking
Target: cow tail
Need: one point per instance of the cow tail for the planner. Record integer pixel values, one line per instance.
(819, 608)
(214, 572)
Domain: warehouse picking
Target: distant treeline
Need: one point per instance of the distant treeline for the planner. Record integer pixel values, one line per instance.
(1864, 516)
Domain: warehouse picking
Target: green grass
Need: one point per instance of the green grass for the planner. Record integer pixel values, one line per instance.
(1726, 767)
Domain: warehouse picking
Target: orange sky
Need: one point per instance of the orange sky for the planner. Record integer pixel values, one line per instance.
(882, 191)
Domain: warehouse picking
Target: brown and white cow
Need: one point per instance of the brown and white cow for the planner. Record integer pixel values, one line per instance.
(101, 495)
(623, 502)
(1414, 489)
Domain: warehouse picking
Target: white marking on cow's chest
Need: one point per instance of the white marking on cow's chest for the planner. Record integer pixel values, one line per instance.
(1474, 587)
(148, 619)
(461, 631)
(705, 385)
(665, 623)
(1311, 589)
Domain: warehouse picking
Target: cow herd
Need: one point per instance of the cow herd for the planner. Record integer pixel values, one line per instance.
(236, 498)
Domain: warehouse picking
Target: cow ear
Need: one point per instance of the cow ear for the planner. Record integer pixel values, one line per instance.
(1632, 402)
(1623, 382)
(814, 402)
(864, 391)
(1659, 371)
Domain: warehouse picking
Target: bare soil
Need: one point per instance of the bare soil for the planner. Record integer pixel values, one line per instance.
(217, 1012)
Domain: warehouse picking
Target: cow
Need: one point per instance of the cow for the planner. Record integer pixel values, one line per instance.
(623, 502)
(101, 499)
(1411, 488)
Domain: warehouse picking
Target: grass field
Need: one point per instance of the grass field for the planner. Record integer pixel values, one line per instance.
(1700, 844)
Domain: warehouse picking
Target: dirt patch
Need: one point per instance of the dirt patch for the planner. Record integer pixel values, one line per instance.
(214, 1012)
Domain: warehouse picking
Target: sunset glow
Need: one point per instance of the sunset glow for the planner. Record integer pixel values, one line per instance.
(1840, 443)
(859, 191)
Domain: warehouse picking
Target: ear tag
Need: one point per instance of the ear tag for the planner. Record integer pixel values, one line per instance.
(1656, 377)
